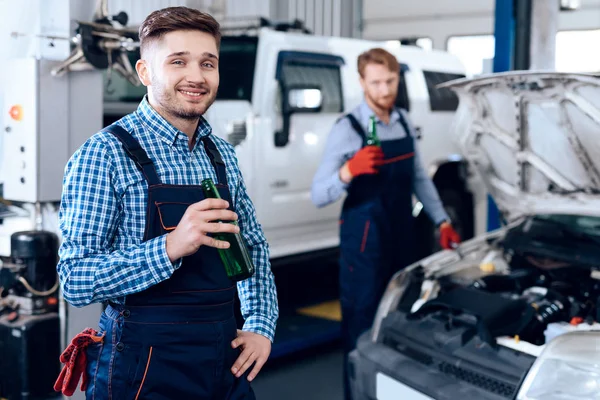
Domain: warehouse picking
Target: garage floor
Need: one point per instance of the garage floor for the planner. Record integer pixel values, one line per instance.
(314, 374)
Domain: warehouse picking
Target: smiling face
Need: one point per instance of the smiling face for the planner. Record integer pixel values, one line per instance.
(181, 71)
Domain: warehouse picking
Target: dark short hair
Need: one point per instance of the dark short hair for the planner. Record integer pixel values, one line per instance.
(171, 19)
(377, 56)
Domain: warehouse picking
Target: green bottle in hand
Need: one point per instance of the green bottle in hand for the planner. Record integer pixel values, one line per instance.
(236, 258)
(372, 139)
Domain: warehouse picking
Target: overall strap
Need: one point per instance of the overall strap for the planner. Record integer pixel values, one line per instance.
(135, 152)
(404, 122)
(215, 159)
(357, 127)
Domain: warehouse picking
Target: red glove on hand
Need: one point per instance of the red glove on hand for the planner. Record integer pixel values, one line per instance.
(448, 236)
(75, 362)
(366, 161)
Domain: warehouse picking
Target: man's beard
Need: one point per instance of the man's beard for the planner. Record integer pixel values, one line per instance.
(169, 103)
(384, 104)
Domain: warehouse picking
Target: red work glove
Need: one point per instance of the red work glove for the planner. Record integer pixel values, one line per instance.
(75, 362)
(366, 161)
(448, 236)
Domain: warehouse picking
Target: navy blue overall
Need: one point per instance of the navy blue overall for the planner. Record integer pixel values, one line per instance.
(375, 235)
(172, 340)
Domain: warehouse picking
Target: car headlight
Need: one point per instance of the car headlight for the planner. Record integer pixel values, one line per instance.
(390, 299)
(567, 369)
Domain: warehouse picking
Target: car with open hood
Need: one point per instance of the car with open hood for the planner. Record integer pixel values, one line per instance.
(514, 313)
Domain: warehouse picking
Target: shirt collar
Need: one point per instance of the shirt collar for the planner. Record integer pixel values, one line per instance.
(163, 128)
(366, 112)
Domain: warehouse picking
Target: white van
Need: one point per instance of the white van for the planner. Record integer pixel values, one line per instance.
(281, 91)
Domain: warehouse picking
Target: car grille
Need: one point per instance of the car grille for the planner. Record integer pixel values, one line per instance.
(479, 380)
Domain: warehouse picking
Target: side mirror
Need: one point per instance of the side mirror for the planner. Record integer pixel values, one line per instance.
(304, 100)
(297, 99)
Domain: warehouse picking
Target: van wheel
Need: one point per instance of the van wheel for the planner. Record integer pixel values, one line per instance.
(459, 207)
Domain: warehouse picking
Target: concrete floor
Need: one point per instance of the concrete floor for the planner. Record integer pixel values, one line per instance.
(314, 375)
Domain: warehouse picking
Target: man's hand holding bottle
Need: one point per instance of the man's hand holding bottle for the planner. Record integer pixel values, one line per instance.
(366, 161)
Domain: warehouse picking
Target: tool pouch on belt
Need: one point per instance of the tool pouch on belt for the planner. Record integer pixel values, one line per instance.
(75, 360)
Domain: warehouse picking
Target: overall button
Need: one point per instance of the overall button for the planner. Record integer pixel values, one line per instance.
(126, 313)
(120, 346)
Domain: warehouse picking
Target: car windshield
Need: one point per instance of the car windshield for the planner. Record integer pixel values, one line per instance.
(584, 224)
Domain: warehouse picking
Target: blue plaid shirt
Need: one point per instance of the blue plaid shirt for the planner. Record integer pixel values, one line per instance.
(103, 212)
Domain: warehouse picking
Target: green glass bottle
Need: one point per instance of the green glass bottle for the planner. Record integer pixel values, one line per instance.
(236, 258)
(372, 139)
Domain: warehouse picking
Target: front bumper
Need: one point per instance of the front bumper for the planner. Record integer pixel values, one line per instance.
(372, 359)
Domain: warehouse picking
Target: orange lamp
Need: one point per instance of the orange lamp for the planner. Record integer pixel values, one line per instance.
(16, 112)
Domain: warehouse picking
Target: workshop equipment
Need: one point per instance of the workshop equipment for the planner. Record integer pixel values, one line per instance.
(29, 323)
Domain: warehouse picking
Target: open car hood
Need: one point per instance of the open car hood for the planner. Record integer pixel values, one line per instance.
(534, 137)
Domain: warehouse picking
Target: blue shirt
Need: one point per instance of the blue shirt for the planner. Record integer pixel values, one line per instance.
(103, 212)
(343, 142)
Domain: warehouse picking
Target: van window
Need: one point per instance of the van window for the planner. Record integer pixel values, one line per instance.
(320, 70)
(402, 99)
(237, 60)
(441, 99)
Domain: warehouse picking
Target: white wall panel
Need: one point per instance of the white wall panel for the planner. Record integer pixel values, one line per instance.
(248, 8)
(138, 10)
(323, 17)
(336, 25)
(440, 19)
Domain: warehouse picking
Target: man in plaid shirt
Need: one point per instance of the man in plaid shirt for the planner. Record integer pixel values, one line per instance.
(137, 235)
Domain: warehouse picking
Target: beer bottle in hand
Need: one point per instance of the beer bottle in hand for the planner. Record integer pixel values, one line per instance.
(372, 139)
(236, 258)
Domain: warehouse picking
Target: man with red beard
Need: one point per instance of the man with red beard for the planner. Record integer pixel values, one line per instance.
(376, 222)
(137, 236)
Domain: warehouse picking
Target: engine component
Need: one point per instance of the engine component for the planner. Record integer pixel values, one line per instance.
(546, 312)
(515, 282)
(489, 314)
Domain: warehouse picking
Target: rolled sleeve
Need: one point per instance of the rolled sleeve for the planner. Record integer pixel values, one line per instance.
(158, 260)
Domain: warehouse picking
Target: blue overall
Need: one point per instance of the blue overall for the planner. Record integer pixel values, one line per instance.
(376, 236)
(172, 340)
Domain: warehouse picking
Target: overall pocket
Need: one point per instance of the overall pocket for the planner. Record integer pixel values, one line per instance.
(96, 368)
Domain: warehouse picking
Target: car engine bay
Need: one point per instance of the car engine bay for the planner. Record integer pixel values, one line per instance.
(484, 318)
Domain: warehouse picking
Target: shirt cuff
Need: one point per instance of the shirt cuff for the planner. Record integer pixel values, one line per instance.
(442, 217)
(261, 324)
(157, 259)
(337, 185)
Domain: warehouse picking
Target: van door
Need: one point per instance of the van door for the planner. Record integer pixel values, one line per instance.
(291, 221)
